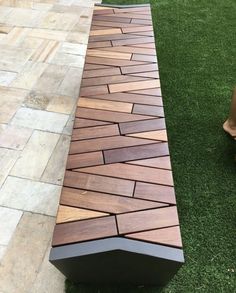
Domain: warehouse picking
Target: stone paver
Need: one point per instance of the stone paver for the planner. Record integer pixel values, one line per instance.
(42, 49)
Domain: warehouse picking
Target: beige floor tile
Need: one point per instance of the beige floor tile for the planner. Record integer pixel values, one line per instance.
(46, 51)
(35, 155)
(72, 48)
(76, 37)
(6, 77)
(16, 36)
(23, 17)
(4, 12)
(53, 20)
(9, 219)
(48, 34)
(3, 249)
(7, 161)
(41, 120)
(10, 101)
(14, 137)
(37, 100)
(51, 78)
(68, 60)
(13, 59)
(49, 279)
(69, 125)
(71, 84)
(61, 104)
(57, 162)
(29, 195)
(31, 43)
(25, 253)
(29, 76)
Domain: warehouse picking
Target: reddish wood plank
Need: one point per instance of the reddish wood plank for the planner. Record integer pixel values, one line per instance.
(148, 110)
(132, 16)
(133, 41)
(151, 74)
(101, 72)
(131, 98)
(103, 202)
(105, 143)
(84, 230)
(105, 31)
(139, 68)
(151, 92)
(111, 19)
(98, 183)
(167, 236)
(112, 38)
(99, 44)
(81, 123)
(146, 220)
(155, 192)
(148, 34)
(137, 29)
(94, 132)
(88, 66)
(108, 115)
(84, 160)
(111, 80)
(111, 62)
(132, 172)
(136, 85)
(114, 24)
(136, 152)
(129, 49)
(93, 90)
(142, 21)
(160, 162)
(140, 126)
(160, 135)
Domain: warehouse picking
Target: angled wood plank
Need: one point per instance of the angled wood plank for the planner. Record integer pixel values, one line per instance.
(84, 160)
(131, 86)
(159, 162)
(142, 126)
(160, 135)
(81, 123)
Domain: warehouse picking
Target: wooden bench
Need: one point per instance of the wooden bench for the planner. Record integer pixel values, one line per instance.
(117, 220)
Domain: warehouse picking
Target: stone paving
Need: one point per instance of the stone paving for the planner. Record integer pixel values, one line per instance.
(42, 49)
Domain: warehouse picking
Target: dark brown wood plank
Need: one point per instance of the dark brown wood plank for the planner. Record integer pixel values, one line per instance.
(99, 183)
(97, 144)
(146, 220)
(93, 90)
(139, 68)
(148, 110)
(155, 192)
(131, 98)
(109, 116)
(84, 160)
(101, 72)
(95, 132)
(140, 126)
(103, 202)
(81, 123)
(132, 172)
(168, 236)
(132, 41)
(111, 80)
(136, 153)
(84, 230)
(101, 44)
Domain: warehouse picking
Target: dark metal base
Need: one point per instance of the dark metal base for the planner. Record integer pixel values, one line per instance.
(117, 261)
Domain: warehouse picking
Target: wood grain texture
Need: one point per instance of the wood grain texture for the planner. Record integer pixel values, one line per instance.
(118, 180)
(69, 214)
(146, 220)
(84, 230)
(103, 202)
(167, 236)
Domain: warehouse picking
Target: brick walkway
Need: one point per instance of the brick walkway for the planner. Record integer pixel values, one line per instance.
(42, 48)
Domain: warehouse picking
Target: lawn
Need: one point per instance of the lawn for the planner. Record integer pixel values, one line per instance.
(196, 44)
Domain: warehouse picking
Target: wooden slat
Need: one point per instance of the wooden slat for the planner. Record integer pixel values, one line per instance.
(84, 160)
(98, 183)
(81, 123)
(105, 143)
(146, 220)
(139, 68)
(159, 162)
(132, 172)
(131, 98)
(69, 214)
(130, 49)
(141, 126)
(101, 72)
(93, 90)
(160, 135)
(133, 41)
(111, 62)
(84, 230)
(148, 110)
(94, 132)
(136, 153)
(105, 32)
(103, 202)
(167, 236)
(105, 105)
(107, 54)
(155, 192)
(131, 86)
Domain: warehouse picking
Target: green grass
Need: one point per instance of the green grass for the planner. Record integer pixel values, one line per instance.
(196, 44)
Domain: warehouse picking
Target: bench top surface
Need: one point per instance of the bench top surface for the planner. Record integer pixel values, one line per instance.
(118, 179)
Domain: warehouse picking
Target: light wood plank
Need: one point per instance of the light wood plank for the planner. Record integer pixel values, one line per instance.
(105, 32)
(156, 135)
(107, 54)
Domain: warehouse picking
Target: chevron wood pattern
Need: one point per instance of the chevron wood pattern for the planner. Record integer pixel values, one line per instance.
(118, 181)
